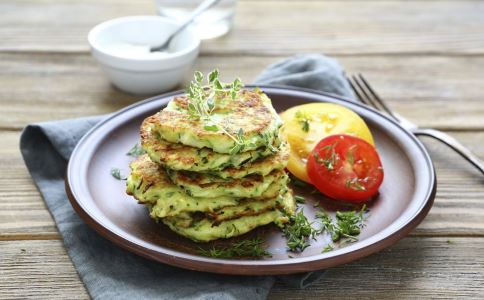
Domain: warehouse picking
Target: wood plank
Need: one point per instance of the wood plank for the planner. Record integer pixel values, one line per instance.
(347, 27)
(23, 214)
(44, 87)
(458, 208)
(38, 270)
(415, 268)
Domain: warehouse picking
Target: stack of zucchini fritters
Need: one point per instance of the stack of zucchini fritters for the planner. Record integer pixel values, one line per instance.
(209, 181)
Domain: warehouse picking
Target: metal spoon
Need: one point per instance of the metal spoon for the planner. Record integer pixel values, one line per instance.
(200, 9)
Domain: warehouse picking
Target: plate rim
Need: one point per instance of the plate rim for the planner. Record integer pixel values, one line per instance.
(235, 267)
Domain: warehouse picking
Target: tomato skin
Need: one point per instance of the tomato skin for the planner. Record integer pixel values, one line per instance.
(345, 168)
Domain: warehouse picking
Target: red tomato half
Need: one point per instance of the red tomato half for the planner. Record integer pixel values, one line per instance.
(345, 168)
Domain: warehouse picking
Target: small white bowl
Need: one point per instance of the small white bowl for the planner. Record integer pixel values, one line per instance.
(121, 46)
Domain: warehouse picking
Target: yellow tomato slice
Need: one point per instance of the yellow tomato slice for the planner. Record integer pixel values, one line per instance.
(305, 125)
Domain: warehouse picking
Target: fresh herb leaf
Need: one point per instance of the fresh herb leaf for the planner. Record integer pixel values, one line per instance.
(299, 232)
(330, 157)
(202, 103)
(355, 184)
(347, 227)
(116, 173)
(350, 154)
(213, 75)
(329, 247)
(212, 127)
(300, 199)
(136, 151)
(198, 76)
(246, 248)
(303, 119)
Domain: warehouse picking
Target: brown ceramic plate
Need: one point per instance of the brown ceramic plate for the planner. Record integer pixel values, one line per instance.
(406, 194)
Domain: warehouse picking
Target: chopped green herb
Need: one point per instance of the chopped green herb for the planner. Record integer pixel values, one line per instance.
(212, 127)
(348, 224)
(299, 199)
(330, 157)
(116, 173)
(299, 232)
(136, 151)
(350, 155)
(451, 242)
(303, 119)
(246, 248)
(329, 247)
(354, 184)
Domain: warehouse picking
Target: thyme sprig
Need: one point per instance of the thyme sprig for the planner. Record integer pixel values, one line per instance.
(246, 248)
(202, 100)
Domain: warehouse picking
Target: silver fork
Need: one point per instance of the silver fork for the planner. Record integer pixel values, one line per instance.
(367, 95)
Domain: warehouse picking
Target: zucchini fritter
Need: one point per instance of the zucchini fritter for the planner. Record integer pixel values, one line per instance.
(206, 229)
(251, 111)
(203, 185)
(181, 157)
(149, 184)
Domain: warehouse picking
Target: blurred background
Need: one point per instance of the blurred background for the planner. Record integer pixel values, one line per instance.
(418, 53)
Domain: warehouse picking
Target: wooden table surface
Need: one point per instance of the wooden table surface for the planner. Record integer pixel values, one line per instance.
(425, 57)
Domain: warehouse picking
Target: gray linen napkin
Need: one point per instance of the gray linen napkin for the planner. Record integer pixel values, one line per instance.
(110, 272)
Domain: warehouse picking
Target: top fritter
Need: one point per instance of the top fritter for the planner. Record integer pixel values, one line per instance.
(231, 122)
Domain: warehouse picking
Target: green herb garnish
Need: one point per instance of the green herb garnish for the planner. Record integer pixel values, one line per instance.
(136, 151)
(354, 184)
(245, 248)
(116, 173)
(348, 224)
(299, 232)
(303, 119)
(329, 247)
(330, 157)
(300, 199)
(202, 103)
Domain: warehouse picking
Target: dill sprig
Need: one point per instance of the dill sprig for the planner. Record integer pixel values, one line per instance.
(299, 232)
(202, 103)
(355, 184)
(330, 157)
(300, 199)
(303, 119)
(327, 248)
(246, 248)
(136, 151)
(347, 227)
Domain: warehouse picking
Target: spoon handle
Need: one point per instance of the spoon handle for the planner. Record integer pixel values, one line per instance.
(200, 9)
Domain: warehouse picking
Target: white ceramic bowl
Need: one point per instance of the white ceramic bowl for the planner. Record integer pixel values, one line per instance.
(121, 47)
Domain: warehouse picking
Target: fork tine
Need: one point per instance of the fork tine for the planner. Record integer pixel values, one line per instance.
(357, 93)
(375, 96)
(369, 99)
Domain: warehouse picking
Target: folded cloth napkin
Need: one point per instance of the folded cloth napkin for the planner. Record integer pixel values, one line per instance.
(110, 272)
